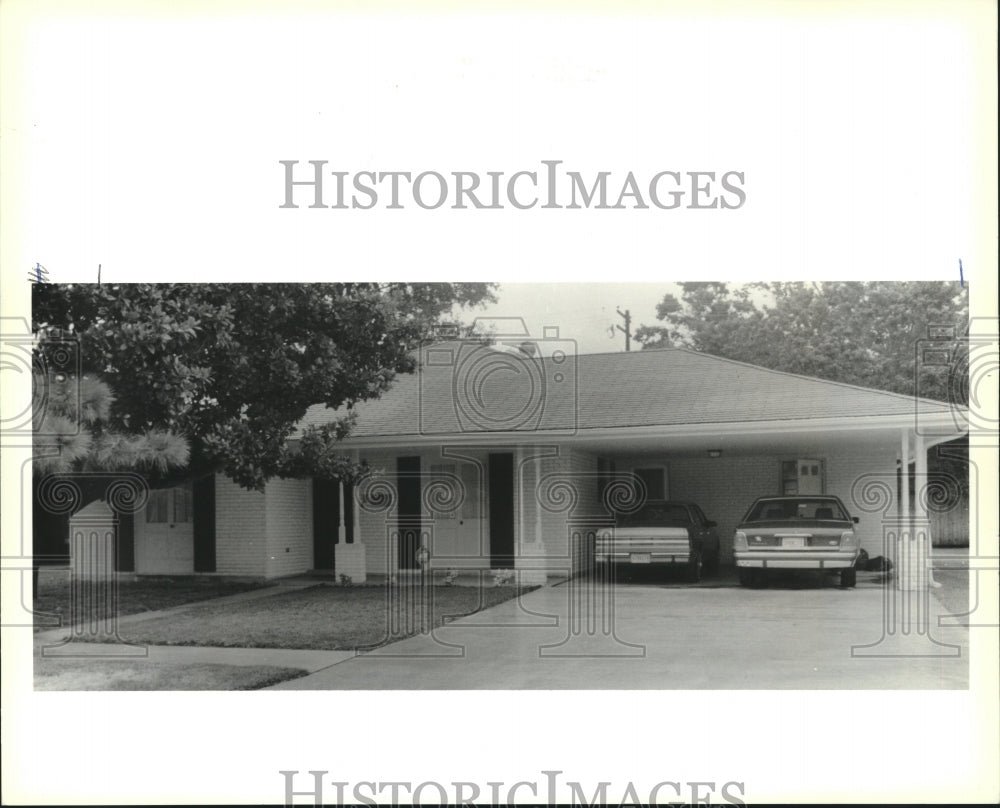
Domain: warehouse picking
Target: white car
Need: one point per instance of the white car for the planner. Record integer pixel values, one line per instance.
(802, 533)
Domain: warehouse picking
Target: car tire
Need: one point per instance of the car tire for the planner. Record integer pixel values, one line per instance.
(848, 577)
(695, 567)
(711, 566)
(746, 577)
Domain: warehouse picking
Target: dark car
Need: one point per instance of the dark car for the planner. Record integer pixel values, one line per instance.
(799, 533)
(665, 533)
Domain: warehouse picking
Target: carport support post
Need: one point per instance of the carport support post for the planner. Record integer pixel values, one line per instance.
(906, 608)
(341, 530)
(908, 561)
(913, 546)
(920, 506)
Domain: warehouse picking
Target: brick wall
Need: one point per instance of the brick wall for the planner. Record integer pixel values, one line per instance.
(843, 469)
(240, 529)
(289, 539)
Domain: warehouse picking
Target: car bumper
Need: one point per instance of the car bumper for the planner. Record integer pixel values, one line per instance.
(639, 559)
(796, 561)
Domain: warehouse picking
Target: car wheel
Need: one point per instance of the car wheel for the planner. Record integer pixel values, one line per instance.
(712, 564)
(848, 577)
(694, 569)
(746, 577)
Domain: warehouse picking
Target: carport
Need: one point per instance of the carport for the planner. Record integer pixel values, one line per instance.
(695, 427)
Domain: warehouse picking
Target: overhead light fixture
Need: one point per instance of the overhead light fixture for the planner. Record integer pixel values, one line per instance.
(715, 452)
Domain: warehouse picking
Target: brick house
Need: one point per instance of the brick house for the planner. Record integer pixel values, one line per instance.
(512, 456)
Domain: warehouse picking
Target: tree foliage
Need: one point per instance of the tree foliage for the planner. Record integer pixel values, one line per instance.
(866, 333)
(230, 369)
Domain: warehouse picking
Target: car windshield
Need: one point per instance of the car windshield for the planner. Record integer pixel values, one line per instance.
(655, 516)
(770, 509)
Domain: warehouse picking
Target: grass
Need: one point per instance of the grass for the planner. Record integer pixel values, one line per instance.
(108, 674)
(134, 596)
(321, 617)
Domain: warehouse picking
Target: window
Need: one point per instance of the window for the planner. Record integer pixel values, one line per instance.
(182, 504)
(157, 506)
(655, 480)
(169, 505)
(802, 477)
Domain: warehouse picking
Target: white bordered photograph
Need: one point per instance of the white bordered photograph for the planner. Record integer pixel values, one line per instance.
(388, 391)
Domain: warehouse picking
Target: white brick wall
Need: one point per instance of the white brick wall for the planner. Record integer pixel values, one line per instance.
(240, 529)
(843, 469)
(289, 539)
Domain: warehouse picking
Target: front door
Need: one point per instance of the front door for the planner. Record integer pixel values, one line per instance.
(445, 510)
(408, 510)
(326, 513)
(501, 487)
(167, 546)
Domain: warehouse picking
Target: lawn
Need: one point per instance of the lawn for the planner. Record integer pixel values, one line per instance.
(134, 597)
(108, 674)
(321, 617)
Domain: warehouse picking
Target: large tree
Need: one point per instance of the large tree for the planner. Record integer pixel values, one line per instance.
(181, 379)
(859, 333)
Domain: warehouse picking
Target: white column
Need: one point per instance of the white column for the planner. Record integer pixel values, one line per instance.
(538, 508)
(906, 550)
(354, 504)
(341, 530)
(922, 517)
(904, 480)
(519, 487)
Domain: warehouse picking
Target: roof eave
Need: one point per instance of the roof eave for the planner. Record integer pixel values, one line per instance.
(936, 427)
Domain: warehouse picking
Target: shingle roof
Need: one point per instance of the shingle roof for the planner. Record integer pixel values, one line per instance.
(462, 388)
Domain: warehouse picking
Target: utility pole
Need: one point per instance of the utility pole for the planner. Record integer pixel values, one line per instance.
(627, 330)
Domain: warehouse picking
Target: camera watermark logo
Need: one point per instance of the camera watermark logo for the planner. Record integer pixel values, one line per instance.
(964, 370)
(906, 542)
(499, 379)
(591, 626)
(409, 543)
(53, 367)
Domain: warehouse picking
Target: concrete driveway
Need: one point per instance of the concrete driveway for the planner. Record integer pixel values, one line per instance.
(584, 635)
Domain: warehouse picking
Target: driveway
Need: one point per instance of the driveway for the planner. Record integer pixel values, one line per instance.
(584, 635)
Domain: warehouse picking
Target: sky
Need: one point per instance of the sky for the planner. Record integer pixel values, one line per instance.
(585, 314)
(147, 138)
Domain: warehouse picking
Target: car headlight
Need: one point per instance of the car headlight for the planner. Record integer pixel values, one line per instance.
(848, 539)
(740, 540)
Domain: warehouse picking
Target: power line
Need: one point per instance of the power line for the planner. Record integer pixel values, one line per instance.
(627, 330)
